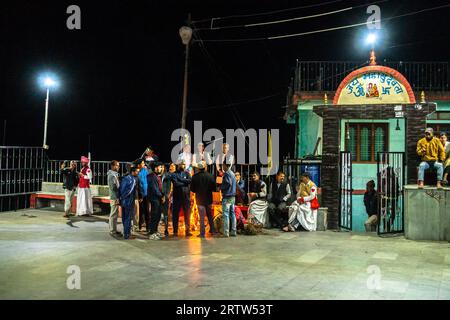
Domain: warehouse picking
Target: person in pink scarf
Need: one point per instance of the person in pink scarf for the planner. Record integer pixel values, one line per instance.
(84, 196)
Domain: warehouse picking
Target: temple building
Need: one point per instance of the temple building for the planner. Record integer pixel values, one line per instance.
(363, 122)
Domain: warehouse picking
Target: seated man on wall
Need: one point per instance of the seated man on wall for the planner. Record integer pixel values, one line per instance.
(304, 211)
(371, 204)
(432, 154)
(279, 194)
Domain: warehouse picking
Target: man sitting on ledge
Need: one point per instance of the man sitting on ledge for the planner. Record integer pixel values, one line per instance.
(432, 154)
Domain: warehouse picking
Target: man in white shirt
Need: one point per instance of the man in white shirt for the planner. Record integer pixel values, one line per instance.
(224, 156)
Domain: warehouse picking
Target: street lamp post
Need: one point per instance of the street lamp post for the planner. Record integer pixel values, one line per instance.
(44, 145)
(48, 82)
(186, 35)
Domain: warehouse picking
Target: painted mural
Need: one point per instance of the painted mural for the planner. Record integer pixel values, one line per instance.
(374, 85)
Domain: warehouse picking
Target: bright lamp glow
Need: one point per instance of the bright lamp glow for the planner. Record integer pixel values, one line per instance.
(49, 82)
(371, 38)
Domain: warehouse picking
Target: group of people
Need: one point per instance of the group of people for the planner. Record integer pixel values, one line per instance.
(434, 153)
(153, 191)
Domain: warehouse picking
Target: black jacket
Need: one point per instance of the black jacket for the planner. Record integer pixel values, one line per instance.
(277, 194)
(154, 193)
(203, 185)
(371, 202)
(181, 181)
(70, 178)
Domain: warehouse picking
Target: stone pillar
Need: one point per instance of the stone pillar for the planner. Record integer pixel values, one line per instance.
(330, 167)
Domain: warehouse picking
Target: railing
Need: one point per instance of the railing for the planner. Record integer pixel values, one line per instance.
(293, 168)
(21, 174)
(327, 75)
(99, 171)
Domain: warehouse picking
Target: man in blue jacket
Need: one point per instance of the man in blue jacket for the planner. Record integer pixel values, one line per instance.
(156, 197)
(144, 213)
(127, 195)
(228, 189)
(181, 198)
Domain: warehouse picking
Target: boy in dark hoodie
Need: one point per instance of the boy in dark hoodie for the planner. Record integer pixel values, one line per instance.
(371, 204)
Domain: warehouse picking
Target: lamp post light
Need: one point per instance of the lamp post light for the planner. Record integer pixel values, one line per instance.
(186, 35)
(48, 82)
(371, 39)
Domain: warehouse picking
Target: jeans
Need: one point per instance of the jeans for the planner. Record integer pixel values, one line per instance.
(155, 215)
(144, 214)
(127, 216)
(69, 194)
(227, 214)
(426, 165)
(165, 214)
(184, 203)
(202, 210)
(113, 215)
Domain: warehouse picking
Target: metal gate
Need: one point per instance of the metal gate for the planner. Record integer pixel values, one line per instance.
(390, 182)
(345, 190)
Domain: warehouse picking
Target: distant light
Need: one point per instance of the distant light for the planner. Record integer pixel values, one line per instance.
(371, 38)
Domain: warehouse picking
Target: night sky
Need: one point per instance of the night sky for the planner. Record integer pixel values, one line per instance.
(122, 74)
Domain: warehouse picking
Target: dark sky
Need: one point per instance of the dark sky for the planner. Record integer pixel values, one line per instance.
(122, 74)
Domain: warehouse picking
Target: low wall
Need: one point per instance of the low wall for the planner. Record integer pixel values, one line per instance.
(427, 213)
(56, 187)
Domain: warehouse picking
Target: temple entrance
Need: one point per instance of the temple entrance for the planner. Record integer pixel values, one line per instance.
(390, 182)
(345, 190)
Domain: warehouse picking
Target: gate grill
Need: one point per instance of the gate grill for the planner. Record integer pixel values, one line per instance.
(390, 182)
(345, 190)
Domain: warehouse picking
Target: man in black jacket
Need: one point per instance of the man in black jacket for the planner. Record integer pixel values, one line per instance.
(203, 185)
(181, 197)
(70, 183)
(156, 198)
(279, 195)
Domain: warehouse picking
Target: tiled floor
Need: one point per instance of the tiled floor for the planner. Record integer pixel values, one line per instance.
(37, 247)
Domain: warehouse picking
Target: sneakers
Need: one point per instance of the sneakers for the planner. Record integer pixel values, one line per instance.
(439, 185)
(154, 237)
(420, 186)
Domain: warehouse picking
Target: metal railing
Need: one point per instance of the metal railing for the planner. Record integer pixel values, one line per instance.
(327, 75)
(21, 174)
(99, 171)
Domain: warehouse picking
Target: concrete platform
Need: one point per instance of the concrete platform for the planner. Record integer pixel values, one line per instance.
(427, 213)
(37, 247)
